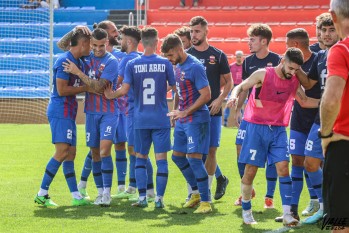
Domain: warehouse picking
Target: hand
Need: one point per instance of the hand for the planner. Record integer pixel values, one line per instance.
(215, 106)
(70, 67)
(176, 114)
(232, 102)
(237, 118)
(173, 122)
(109, 93)
(326, 141)
(84, 29)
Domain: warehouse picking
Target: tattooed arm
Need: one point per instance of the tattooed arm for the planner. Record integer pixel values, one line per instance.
(64, 42)
(97, 86)
(304, 101)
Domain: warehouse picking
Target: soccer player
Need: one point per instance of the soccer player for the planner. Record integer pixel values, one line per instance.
(184, 34)
(316, 47)
(313, 152)
(129, 43)
(218, 75)
(267, 114)
(334, 130)
(101, 113)
(120, 160)
(148, 77)
(259, 38)
(61, 113)
(301, 122)
(236, 73)
(191, 133)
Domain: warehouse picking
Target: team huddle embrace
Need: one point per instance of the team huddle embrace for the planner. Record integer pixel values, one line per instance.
(126, 101)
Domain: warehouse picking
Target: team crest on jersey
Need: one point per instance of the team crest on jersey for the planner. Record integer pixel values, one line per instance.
(101, 68)
(212, 60)
(269, 64)
(182, 76)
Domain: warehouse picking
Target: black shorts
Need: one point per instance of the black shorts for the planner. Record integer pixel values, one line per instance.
(336, 182)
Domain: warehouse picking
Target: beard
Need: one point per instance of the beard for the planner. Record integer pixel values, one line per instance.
(287, 76)
(198, 42)
(113, 41)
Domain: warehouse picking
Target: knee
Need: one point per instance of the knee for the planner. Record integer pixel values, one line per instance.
(297, 161)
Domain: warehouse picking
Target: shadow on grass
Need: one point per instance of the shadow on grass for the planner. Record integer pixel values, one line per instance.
(169, 216)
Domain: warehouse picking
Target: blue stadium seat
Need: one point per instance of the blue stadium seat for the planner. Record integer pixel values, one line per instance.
(24, 78)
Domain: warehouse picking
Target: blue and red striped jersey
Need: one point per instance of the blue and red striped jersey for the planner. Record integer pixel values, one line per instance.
(190, 78)
(105, 67)
(64, 106)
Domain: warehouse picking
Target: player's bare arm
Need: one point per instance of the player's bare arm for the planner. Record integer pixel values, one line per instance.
(64, 42)
(256, 79)
(64, 90)
(329, 109)
(217, 103)
(110, 94)
(97, 86)
(306, 82)
(205, 96)
(305, 101)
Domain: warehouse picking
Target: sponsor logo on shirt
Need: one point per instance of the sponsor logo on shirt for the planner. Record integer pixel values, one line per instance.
(101, 67)
(182, 76)
(269, 64)
(212, 60)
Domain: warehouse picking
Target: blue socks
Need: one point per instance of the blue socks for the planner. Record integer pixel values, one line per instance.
(161, 177)
(132, 174)
(201, 177)
(297, 184)
(316, 181)
(218, 172)
(69, 173)
(285, 190)
(107, 171)
(50, 172)
(183, 164)
(121, 166)
(150, 183)
(241, 167)
(246, 205)
(97, 173)
(271, 176)
(87, 168)
(312, 193)
(141, 176)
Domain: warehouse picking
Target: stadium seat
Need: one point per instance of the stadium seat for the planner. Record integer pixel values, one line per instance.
(229, 8)
(261, 8)
(278, 8)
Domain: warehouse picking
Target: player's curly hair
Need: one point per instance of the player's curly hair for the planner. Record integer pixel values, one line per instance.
(171, 41)
(131, 31)
(261, 30)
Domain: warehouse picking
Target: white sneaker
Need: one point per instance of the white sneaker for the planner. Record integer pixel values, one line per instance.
(248, 217)
(312, 208)
(289, 221)
(106, 199)
(98, 200)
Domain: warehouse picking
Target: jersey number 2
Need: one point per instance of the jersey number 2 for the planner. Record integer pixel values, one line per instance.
(148, 91)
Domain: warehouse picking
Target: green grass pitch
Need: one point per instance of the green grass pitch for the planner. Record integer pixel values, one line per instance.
(26, 149)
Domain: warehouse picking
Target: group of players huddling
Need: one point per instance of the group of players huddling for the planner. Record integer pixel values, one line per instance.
(126, 101)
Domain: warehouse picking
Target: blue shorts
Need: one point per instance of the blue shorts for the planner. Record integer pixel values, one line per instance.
(215, 130)
(121, 129)
(159, 137)
(297, 142)
(241, 133)
(313, 145)
(264, 143)
(63, 130)
(130, 131)
(100, 127)
(191, 137)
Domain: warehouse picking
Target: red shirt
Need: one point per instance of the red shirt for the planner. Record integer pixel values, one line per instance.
(338, 65)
